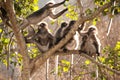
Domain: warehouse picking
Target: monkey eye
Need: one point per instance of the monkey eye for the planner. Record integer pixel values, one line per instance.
(42, 24)
(92, 29)
(50, 3)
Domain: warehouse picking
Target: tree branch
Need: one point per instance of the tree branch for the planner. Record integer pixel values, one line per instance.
(37, 62)
(88, 57)
(20, 39)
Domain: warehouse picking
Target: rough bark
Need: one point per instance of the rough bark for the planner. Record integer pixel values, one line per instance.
(20, 40)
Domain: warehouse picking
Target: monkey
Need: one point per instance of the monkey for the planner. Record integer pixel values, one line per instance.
(71, 23)
(42, 13)
(60, 32)
(63, 31)
(31, 32)
(71, 44)
(43, 38)
(90, 42)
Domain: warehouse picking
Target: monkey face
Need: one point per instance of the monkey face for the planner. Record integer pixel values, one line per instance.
(91, 30)
(42, 25)
(50, 4)
(64, 24)
(42, 28)
(72, 22)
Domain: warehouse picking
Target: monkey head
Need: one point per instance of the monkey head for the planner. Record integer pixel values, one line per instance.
(50, 4)
(72, 23)
(42, 27)
(64, 24)
(92, 29)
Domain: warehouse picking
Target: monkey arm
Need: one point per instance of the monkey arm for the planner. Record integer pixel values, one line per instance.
(51, 40)
(96, 44)
(81, 27)
(83, 34)
(57, 15)
(58, 4)
(31, 32)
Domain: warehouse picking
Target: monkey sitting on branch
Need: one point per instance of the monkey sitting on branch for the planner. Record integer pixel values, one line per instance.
(43, 38)
(90, 42)
(62, 32)
(42, 13)
(73, 43)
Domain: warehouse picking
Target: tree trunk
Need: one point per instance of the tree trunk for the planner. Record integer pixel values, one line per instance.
(20, 40)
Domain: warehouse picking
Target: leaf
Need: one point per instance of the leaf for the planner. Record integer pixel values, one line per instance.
(34, 50)
(36, 8)
(117, 47)
(87, 62)
(5, 40)
(1, 30)
(102, 59)
(65, 69)
(65, 62)
(5, 62)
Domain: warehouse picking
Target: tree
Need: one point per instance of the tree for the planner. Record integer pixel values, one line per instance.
(31, 65)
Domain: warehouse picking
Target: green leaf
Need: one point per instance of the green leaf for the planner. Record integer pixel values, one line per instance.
(5, 62)
(117, 47)
(1, 30)
(102, 59)
(5, 40)
(88, 11)
(65, 62)
(34, 50)
(65, 69)
(87, 62)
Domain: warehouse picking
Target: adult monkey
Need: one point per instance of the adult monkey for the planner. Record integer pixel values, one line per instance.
(90, 42)
(60, 33)
(43, 38)
(42, 13)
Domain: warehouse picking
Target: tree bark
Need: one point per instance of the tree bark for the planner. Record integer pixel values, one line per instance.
(20, 40)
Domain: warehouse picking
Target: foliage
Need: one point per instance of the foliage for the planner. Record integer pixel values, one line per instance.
(25, 7)
(32, 50)
(72, 13)
(7, 41)
(64, 67)
(114, 10)
(113, 58)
